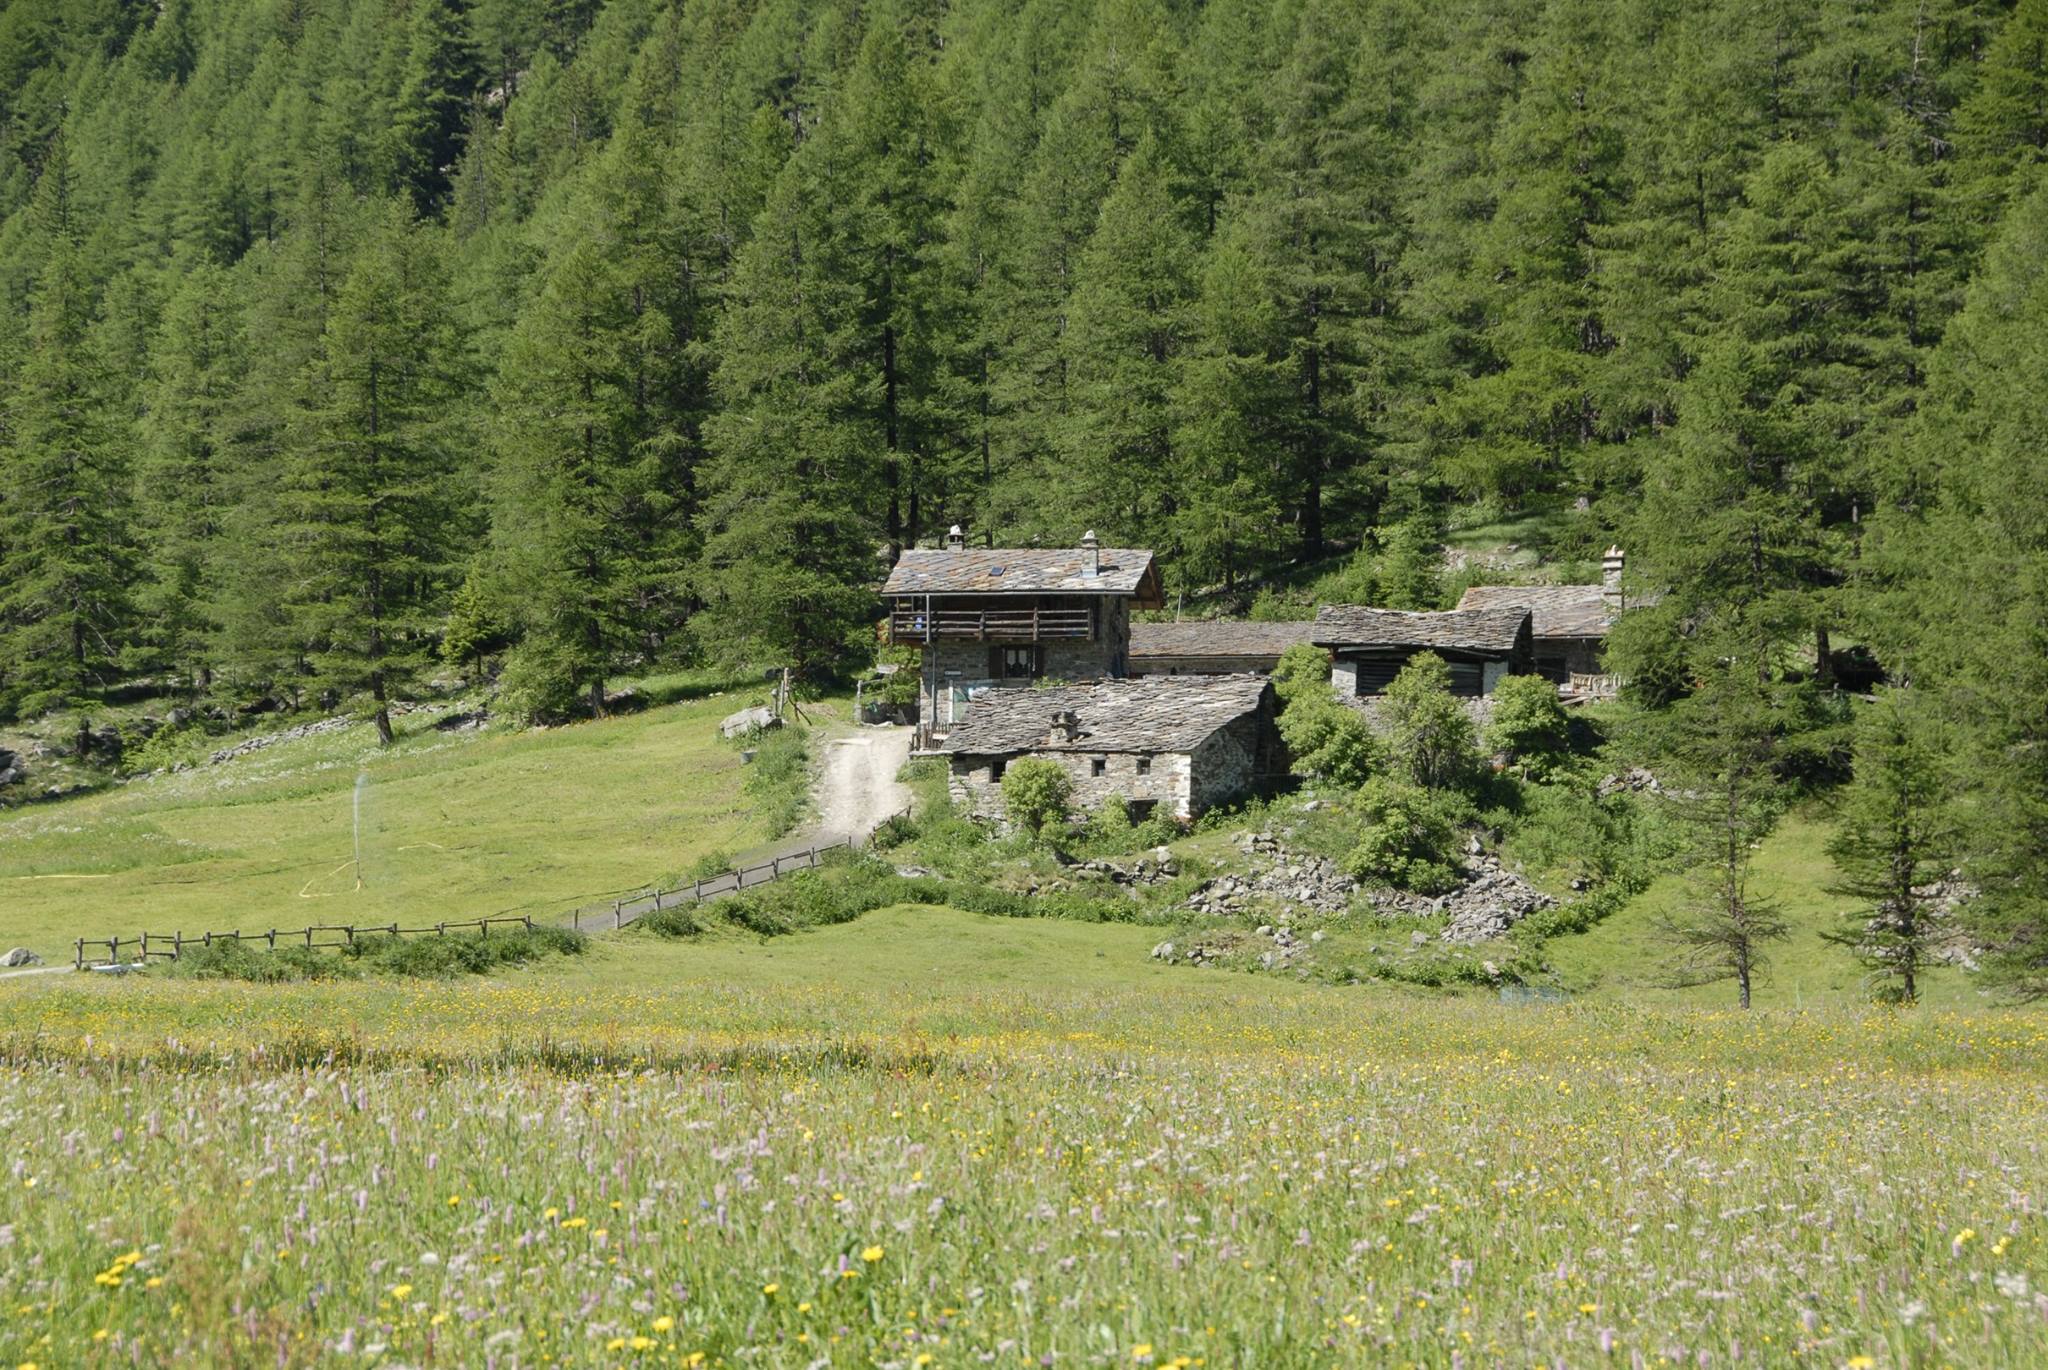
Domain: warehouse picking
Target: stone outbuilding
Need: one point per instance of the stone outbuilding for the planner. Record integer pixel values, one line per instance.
(1368, 647)
(1173, 744)
(1213, 646)
(1569, 623)
(989, 618)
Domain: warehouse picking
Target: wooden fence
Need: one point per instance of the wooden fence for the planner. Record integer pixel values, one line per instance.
(170, 946)
(619, 912)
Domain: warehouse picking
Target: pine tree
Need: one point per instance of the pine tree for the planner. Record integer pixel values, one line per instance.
(64, 468)
(368, 515)
(1894, 842)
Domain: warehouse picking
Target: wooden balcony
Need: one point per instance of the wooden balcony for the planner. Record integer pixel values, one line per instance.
(1025, 623)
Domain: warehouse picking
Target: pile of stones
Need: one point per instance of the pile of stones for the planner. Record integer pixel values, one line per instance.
(257, 744)
(12, 767)
(1271, 947)
(1155, 869)
(1490, 902)
(1273, 874)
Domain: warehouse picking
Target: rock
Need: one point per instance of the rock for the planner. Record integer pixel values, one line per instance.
(20, 956)
(257, 744)
(1265, 929)
(1311, 806)
(1636, 779)
(1318, 935)
(1419, 939)
(1163, 952)
(748, 721)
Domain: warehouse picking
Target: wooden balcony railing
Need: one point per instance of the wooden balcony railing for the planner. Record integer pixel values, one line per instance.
(986, 625)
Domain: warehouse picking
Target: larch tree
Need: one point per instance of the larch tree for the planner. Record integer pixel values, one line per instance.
(65, 549)
(369, 525)
(1895, 843)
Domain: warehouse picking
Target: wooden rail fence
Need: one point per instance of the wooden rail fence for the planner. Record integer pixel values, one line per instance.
(169, 946)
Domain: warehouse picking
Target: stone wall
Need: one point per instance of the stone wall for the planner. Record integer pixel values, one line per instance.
(974, 787)
(1204, 665)
(1229, 764)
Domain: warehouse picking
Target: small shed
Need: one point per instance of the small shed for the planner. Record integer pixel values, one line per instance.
(1368, 647)
(1212, 647)
(1178, 743)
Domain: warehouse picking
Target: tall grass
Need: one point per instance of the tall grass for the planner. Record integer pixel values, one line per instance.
(331, 1174)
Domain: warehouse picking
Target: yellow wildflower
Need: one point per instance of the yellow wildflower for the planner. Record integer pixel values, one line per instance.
(664, 1323)
(872, 1254)
(399, 1291)
(1142, 1351)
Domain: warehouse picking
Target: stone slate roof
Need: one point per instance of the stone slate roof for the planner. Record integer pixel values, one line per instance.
(1021, 570)
(1558, 610)
(1217, 637)
(1470, 630)
(1148, 714)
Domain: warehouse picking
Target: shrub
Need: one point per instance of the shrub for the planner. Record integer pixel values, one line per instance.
(1036, 791)
(539, 684)
(1429, 734)
(1528, 723)
(435, 957)
(1409, 839)
(1302, 671)
(1326, 740)
(779, 781)
(1109, 827)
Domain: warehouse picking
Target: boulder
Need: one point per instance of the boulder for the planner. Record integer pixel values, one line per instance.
(748, 721)
(20, 956)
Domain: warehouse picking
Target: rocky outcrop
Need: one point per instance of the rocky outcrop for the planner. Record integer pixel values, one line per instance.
(20, 956)
(1275, 875)
(1156, 869)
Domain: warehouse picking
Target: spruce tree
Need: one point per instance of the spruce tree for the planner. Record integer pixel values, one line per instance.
(440, 78)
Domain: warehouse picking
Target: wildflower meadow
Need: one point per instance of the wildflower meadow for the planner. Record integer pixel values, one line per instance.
(1251, 1173)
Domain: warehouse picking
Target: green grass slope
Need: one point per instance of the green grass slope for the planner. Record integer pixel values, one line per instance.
(453, 825)
(1624, 957)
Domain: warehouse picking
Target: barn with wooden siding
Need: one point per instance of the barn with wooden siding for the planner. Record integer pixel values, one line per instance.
(1368, 647)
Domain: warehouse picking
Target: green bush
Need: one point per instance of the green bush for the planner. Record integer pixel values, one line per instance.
(1328, 741)
(237, 960)
(1409, 838)
(813, 899)
(1429, 734)
(1036, 791)
(779, 780)
(1528, 724)
(540, 681)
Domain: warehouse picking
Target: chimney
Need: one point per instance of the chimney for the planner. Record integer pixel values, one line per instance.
(1610, 573)
(1066, 726)
(956, 539)
(1094, 551)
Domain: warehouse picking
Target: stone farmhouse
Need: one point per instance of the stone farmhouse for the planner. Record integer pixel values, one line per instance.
(1212, 647)
(1569, 623)
(989, 619)
(1181, 744)
(1368, 647)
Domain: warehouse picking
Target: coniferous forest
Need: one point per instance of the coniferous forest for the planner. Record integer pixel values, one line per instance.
(340, 339)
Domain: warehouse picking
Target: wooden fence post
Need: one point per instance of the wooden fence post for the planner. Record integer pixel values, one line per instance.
(618, 918)
(78, 960)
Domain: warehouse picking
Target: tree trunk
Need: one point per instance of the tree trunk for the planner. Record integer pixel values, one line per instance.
(384, 737)
(597, 697)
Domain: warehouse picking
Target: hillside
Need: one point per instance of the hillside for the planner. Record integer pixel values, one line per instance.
(452, 824)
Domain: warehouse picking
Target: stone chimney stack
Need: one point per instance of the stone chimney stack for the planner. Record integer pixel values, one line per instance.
(1610, 573)
(956, 538)
(1093, 567)
(1066, 726)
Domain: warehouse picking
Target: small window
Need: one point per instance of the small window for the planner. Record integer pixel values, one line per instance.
(995, 770)
(1144, 765)
(1021, 663)
(1098, 765)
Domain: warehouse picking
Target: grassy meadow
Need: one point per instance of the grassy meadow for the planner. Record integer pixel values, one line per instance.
(936, 1139)
(454, 825)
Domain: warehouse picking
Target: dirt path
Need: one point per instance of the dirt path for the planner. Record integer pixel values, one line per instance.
(857, 784)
